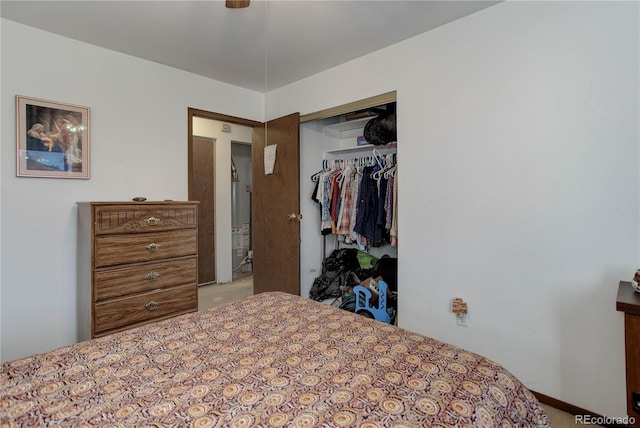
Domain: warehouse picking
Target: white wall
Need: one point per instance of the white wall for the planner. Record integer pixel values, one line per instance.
(138, 148)
(518, 146)
(222, 182)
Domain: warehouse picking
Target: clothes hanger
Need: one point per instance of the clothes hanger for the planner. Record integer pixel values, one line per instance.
(315, 177)
(391, 165)
(384, 163)
(346, 170)
(379, 158)
(390, 172)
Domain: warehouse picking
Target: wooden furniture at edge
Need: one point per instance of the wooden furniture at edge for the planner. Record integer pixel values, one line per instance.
(137, 264)
(628, 301)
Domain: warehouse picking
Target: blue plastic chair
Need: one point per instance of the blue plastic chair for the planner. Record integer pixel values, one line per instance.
(363, 295)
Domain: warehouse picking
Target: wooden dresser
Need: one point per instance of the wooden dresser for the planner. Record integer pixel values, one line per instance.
(137, 263)
(628, 301)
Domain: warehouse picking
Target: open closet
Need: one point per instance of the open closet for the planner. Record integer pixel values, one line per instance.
(349, 203)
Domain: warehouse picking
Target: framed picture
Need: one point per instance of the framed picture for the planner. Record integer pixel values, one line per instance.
(53, 139)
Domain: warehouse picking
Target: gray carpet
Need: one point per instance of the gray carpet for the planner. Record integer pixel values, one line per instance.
(218, 294)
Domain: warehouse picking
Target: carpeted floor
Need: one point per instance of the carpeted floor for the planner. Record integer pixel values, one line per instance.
(560, 419)
(218, 294)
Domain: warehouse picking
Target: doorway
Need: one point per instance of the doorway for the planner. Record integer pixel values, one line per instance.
(275, 233)
(209, 182)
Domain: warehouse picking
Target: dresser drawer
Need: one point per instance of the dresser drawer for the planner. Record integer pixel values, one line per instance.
(115, 250)
(143, 308)
(144, 218)
(122, 281)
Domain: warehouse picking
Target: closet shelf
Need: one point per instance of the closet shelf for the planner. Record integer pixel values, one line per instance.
(351, 128)
(367, 148)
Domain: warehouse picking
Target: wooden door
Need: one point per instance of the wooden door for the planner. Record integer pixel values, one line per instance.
(276, 236)
(202, 190)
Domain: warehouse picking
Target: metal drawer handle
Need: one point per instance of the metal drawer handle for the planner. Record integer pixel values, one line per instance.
(151, 276)
(152, 221)
(153, 247)
(151, 306)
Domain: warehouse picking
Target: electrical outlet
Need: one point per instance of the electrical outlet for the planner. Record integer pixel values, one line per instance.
(459, 307)
(463, 320)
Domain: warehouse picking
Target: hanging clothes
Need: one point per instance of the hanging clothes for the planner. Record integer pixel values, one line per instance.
(394, 223)
(381, 219)
(347, 196)
(352, 236)
(368, 201)
(356, 198)
(388, 203)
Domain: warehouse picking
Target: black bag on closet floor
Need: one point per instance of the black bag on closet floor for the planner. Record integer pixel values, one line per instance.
(387, 268)
(339, 271)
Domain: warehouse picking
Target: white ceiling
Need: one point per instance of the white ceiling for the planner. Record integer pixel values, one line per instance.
(293, 38)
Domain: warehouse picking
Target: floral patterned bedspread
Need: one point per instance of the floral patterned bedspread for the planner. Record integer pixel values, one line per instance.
(273, 359)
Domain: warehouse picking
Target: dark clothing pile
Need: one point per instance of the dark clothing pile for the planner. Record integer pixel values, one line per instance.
(340, 271)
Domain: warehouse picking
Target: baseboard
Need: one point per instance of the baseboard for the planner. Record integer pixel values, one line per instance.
(570, 408)
(202, 284)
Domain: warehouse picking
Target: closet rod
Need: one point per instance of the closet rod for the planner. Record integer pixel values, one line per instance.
(356, 152)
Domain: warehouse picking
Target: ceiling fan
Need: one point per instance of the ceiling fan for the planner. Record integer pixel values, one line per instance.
(237, 4)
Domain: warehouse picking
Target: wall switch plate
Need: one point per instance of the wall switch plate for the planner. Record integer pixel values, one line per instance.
(463, 321)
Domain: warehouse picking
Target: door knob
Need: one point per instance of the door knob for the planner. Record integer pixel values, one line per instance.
(294, 216)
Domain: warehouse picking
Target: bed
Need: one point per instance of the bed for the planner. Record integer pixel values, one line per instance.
(273, 359)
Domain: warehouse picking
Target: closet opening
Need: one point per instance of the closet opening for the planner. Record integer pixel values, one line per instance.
(337, 158)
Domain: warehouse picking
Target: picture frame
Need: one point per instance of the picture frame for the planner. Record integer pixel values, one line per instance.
(53, 139)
